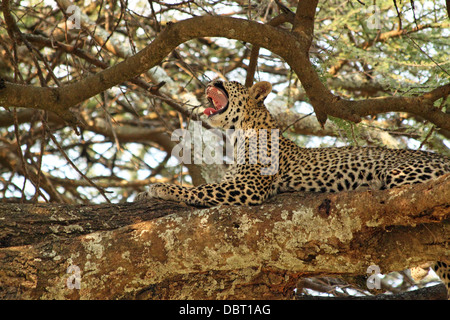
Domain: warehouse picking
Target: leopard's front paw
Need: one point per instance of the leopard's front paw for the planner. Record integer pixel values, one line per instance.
(156, 190)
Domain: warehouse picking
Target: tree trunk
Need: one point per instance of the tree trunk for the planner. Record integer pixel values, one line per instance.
(165, 250)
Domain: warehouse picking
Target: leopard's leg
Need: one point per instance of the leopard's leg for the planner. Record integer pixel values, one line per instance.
(243, 189)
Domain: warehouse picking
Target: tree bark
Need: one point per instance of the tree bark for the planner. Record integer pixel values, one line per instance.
(165, 250)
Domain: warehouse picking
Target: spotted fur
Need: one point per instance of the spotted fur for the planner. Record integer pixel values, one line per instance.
(297, 169)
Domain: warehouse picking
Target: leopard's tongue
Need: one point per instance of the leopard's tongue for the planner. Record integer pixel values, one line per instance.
(209, 111)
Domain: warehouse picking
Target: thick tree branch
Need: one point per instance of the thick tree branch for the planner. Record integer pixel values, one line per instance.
(285, 17)
(282, 43)
(303, 26)
(447, 3)
(422, 106)
(126, 251)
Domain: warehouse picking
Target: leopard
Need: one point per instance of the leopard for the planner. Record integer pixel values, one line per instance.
(267, 163)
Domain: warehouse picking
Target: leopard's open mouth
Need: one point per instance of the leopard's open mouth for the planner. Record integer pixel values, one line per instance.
(218, 98)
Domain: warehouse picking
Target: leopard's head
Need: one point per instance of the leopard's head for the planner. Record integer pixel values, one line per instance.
(231, 102)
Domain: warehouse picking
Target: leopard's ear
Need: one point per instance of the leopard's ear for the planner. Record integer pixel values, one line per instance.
(260, 90)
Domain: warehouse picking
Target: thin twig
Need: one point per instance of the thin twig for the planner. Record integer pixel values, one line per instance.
(429, 57)
(299, 119)
(102, 192)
